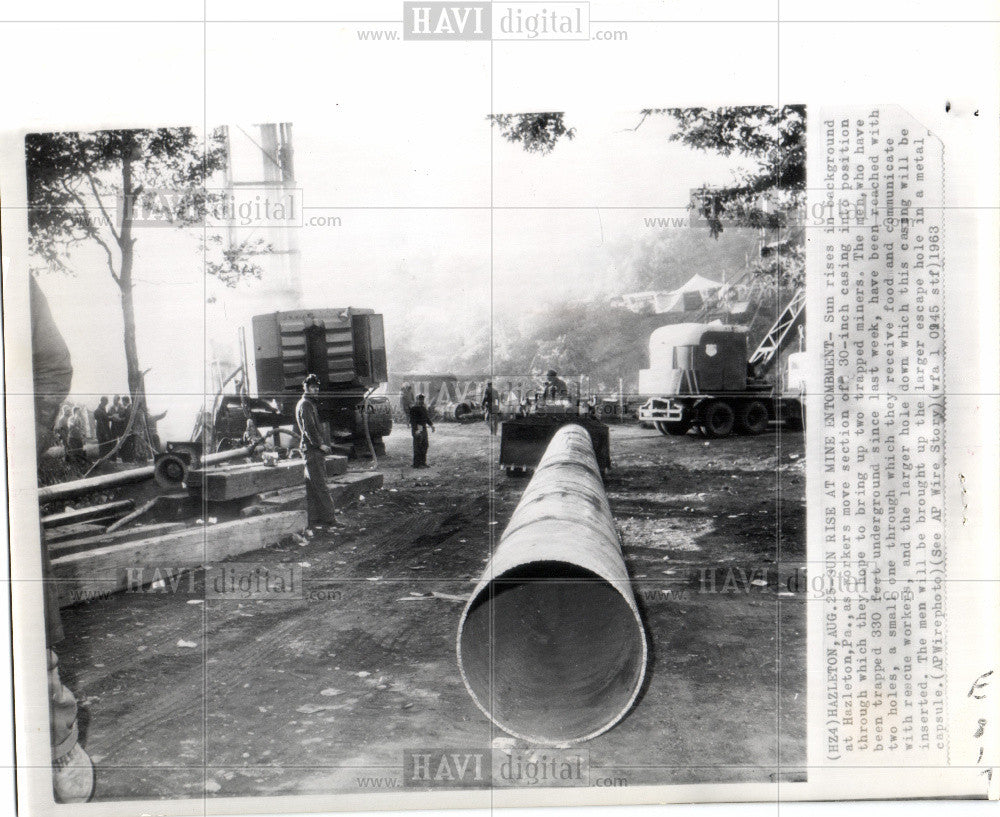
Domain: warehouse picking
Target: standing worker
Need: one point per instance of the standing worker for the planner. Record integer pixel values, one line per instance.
(419, 420)
(117, 421)
(555, 387)
(319, 504)
(102, 427)
(491, 405)
(72, 769)
(77, 437)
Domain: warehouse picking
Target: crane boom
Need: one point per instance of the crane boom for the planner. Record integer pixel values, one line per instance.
(775, 338)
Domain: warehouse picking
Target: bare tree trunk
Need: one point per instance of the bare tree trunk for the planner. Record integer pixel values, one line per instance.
(136, 380)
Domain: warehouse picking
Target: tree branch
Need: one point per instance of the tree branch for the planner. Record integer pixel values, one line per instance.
(100, 204)
(110, 256)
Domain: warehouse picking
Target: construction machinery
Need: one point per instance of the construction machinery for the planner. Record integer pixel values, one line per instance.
(344, 348)
(705, 378)
(523, 438)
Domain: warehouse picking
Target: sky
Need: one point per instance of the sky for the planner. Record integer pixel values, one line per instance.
(442, 224)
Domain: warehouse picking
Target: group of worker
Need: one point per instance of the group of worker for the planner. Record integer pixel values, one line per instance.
(554, 389)
(71, 430)
(110, 424)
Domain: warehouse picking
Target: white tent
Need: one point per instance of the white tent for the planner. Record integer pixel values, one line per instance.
(688, 297)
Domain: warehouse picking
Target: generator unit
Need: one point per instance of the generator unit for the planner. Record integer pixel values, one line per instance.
(344, 348)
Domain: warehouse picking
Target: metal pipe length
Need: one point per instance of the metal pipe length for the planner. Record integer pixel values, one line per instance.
(65, 490)
(551, 645)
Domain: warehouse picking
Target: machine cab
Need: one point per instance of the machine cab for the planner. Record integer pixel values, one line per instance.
(693, 358)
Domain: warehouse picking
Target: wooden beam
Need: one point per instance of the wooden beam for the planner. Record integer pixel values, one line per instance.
(93, 573)
(71, 517)
(248, 479)
(62, 546)
(344, 490)
(140, 511)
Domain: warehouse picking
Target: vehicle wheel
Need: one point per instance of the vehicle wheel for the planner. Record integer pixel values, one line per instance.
(718, 419)
(678, 429)
(462, 412)
(661, 427)
(753, 418)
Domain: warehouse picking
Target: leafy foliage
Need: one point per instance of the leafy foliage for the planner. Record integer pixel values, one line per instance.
(83, 186)
(535, 132)
(770, 196)
(96, 187)
(233, 263)
(774, 138)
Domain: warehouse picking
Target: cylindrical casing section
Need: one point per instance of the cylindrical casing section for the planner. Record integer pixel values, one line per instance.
(551, 645)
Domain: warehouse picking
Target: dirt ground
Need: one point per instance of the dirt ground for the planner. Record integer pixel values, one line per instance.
(182, 696)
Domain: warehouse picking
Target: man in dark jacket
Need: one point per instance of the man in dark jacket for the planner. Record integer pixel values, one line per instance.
(555, 387)
(420, 419)
(314, 450)
(72, 769)
(102, 427)
(491, 406)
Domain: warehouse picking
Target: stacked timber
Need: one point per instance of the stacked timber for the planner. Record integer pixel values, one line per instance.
(230, 482)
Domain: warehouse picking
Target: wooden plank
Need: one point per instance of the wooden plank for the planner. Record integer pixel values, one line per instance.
(248, 479)
(89, 574)
(83, 514)
(131, 517)
(222, 484)
(343, 491)
(336, 464)
(64, 546)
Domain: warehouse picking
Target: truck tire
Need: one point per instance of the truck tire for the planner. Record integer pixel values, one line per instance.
(718, 419)
(753, 418)
(678, 429)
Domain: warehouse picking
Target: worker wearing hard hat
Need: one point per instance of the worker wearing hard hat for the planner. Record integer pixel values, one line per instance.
(319, 503)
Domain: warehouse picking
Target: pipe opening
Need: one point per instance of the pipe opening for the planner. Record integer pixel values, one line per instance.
(568, 652)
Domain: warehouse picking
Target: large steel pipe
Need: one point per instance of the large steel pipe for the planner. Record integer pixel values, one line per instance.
(550, 645)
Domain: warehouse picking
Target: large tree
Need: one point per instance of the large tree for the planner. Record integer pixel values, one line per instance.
(97, 187)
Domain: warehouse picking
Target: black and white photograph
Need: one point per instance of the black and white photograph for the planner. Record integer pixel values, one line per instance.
(288, 461)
